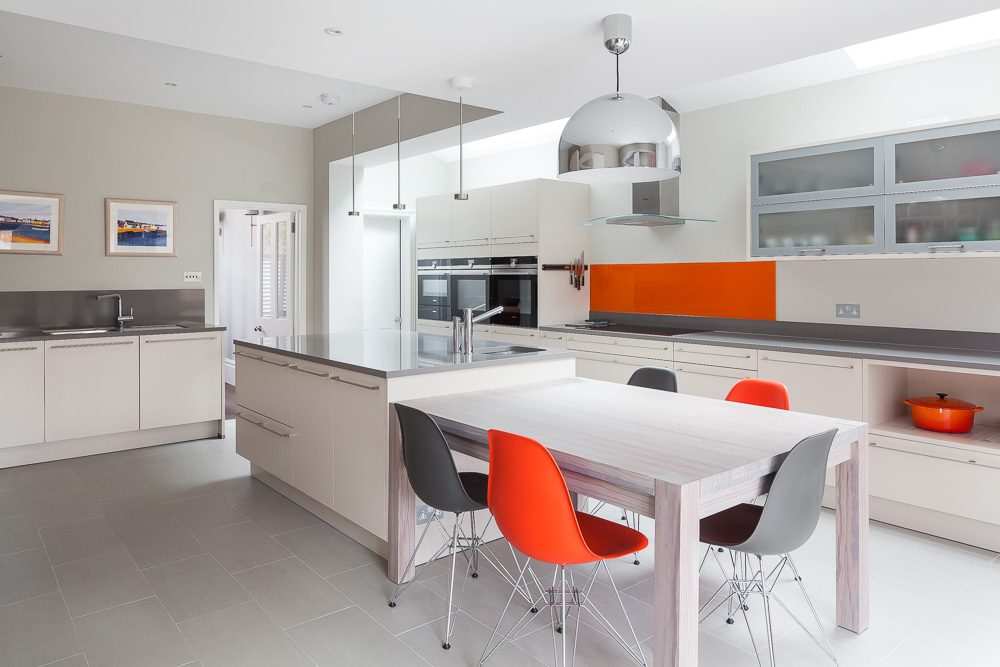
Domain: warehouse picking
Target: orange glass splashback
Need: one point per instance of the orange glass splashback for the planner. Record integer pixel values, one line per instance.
(744, 290)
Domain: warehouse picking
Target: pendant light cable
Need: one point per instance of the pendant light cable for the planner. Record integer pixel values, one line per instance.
(399, 160)
(461, 196)
(354, 210)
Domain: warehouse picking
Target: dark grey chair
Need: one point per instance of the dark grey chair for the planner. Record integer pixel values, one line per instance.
(654, 377)
(438, 483)
(785, 521)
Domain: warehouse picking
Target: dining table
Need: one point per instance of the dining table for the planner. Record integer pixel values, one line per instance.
(673, 457)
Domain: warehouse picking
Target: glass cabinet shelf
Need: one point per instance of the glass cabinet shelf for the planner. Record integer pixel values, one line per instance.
(847, 169)
(806, 229)
(944, 221)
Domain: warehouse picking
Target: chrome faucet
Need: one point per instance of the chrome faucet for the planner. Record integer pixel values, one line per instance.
(122, 319)
(463, 340)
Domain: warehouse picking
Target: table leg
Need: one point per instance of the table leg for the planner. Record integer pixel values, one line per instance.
(402, 506)
(675, 575)
(852, 537)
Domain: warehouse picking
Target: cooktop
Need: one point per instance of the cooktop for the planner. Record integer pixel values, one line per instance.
(633, 328)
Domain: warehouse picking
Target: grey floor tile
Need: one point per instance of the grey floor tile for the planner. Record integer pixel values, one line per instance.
(278, 515)
(179, 486)
(9, 479)
(13, 502)
(75, 661)
(138, 633)
(595, 648)
(63, 508)
(69, 542)
(221, 467)
(159, 465)
(194, 587)
(351, 637)
(42, 467)
(97, 464)
(133, 511)
(18, 533)
(25, 574)
(291, 593)
(159, 543)
(242, 546)
(326, 549)
(204, 513)
(242, 489)
(101, 582)
(468, 640)
(369, 588)
(49, 482)
(112, 484)
(243, 635)
(36, 632)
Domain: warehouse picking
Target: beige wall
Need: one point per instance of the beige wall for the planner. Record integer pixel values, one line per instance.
(942, 293)
(88, 149)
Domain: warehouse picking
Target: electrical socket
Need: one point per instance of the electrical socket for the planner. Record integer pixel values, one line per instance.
(192, 276)
(425, 513)
(852, 310)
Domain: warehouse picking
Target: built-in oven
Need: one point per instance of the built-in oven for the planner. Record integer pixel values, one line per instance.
(434, 296)
(514, 287)
(470, 284)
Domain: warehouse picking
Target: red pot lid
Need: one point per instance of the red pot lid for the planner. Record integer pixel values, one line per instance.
(942, 402)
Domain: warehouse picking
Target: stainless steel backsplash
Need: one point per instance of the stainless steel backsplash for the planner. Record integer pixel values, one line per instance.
(53, 310)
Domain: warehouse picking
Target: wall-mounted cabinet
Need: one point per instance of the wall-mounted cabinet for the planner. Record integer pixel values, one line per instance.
(959, 156)
(817, 228)
(847, 169)
(944, 221)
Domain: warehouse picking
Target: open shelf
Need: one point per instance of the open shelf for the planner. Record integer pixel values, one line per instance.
(981, 436)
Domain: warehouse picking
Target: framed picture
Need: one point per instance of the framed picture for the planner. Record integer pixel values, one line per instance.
(137, 228)
(31, 223)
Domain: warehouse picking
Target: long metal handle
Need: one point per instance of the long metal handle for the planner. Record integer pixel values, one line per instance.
(643, 347)
(17, 349)
(714, 375)
(477, 238)
(803, 250)
(303, 370)
(180, 339)
(954, 246)
(123, 342)
(266, 361)
(521, 335)
(515, 236)
(807, 363)
(261, 425)
(715, 354)
(354, 384)
(556, 337)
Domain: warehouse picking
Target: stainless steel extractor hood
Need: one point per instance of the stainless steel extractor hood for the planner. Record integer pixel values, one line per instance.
(654, 203)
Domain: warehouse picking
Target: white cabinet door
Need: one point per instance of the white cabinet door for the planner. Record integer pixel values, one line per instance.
(708, 381)
(470, 224)
(180, 379)
(264, 383)
(829, 386)
(434, 221)
(265, 443)
(312, 444)
(555, 339)
(22, 393)
(361, 450)
(91, 387)
(603, 367)
(716, 355)
(515, 216)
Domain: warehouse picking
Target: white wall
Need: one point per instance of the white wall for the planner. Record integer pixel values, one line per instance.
(422, 176)
(521, 164)
(346, 238)
(943, 293)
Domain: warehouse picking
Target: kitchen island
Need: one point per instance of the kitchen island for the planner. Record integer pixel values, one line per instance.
(313, 412)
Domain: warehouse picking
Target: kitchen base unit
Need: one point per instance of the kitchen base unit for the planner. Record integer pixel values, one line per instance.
(314, 413)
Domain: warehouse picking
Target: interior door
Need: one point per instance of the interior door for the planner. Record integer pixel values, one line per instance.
(275, 271)
(381, 274)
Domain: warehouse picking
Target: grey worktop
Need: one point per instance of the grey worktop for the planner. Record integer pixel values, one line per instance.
(35, 335)
(942, 356)
(390, 353)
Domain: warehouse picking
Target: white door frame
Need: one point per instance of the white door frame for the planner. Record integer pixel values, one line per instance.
(407, 263)
(301, 265)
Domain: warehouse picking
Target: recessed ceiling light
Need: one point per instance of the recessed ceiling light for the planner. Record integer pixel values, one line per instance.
(964, 32)
(307, 106)
(334, 32)
(172, 85)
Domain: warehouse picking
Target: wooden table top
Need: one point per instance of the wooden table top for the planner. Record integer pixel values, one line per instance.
(631, 436)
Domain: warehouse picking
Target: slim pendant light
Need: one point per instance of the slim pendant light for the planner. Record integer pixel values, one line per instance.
(354, 208)
(462, 83)
(399, 205)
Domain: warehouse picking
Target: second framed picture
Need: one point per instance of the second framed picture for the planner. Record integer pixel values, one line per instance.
(136, 228)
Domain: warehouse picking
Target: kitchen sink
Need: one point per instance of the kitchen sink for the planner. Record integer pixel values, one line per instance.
(74, 332)
(155, 327)
(513, 349)
(20, 334)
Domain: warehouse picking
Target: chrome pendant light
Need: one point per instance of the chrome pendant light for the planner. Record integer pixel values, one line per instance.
(354, 208)
(399, 205)
(619, 138)
(462, 83)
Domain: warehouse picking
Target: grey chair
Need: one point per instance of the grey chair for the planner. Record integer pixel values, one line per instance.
(785, 521)
(437, 482)
(650, 377)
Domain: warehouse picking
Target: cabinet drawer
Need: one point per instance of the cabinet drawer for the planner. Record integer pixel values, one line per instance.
(264, 384)
(708, 381)
(715, 355)
(820, 385)
(265, 443)
(524, 336)
(552, 339)
(22, 393)
(603, 367)
(641, 348)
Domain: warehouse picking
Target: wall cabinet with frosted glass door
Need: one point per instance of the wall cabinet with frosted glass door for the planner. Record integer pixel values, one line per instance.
(958, 156)
(944, 221)
(832, 171)
(849, 226)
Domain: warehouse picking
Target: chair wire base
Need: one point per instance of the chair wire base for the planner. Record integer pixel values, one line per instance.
(747, 580)
(562, 597)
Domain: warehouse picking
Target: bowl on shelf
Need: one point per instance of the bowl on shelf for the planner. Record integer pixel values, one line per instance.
(942, 414)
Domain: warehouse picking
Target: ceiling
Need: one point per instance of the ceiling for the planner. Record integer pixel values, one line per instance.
(535, 61)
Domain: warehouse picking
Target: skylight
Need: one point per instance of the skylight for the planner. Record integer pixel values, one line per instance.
(935, 39)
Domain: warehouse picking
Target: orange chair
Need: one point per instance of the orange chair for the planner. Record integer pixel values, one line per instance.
(766, 393)
(531, 505)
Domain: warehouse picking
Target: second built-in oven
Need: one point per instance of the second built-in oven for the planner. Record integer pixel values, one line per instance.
(514, 287)
(470, 284)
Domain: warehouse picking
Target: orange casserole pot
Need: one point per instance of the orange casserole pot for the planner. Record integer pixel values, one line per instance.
(942, 414)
